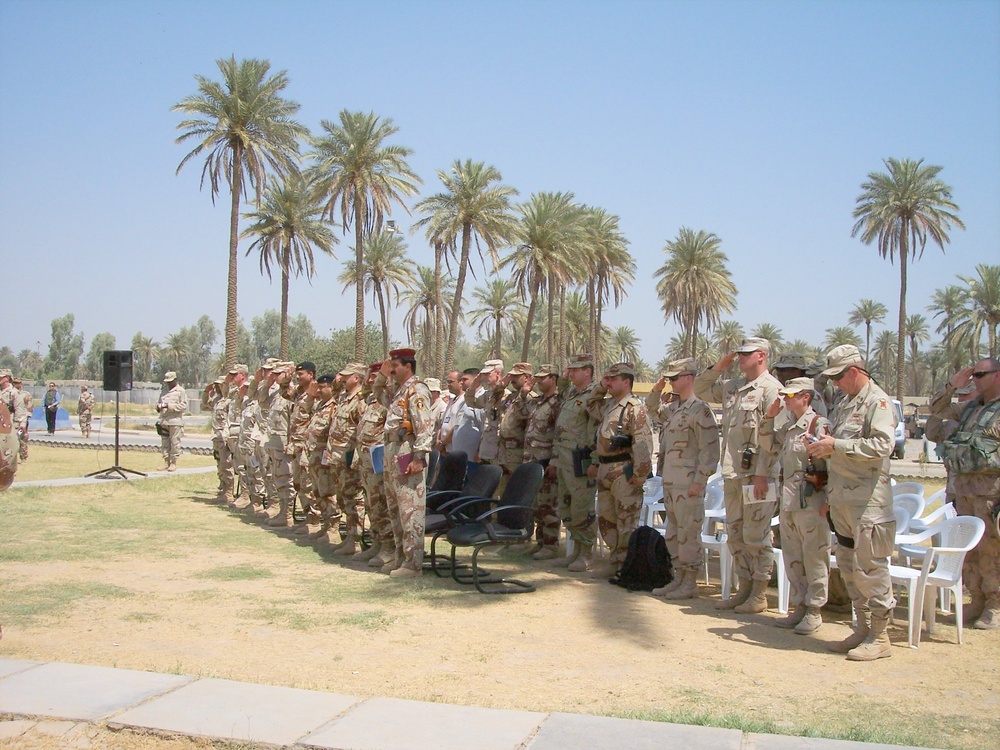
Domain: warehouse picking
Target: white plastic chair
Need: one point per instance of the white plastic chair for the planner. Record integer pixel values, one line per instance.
(717, 542)
(652, 503)
(942, 568)
(911, 552)
(913, 504)
(900, 488)
(784, 586)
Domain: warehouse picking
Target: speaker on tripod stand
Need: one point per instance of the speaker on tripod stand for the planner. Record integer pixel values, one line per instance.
(117, 378)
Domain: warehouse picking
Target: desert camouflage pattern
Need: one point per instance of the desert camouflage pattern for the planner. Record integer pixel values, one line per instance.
(515, 413)
(544, 411)
(805, 534)
(313, 455)
(21, 425)
(220, 431)
(85, 412)
(409, 429)
(619, 501)
(370, 433)
(575, 428)
(8, 446)
(250, 449)
(491, 401)
(689, 455)
(174, 403)
(298, 426)
(347, 480)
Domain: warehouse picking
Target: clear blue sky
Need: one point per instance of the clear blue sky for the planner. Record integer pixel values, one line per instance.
(757, 121)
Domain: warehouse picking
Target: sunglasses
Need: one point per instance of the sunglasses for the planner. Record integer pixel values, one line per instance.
(673, 378)
(839, 375)
(983, 373)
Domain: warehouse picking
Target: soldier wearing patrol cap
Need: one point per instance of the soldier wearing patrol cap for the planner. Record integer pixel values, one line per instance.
(85, 410)
(171, 407)
(860, 497)
(515, 409)
(538, 448)
(689, 455)
(747, 458)
(302, 398)
(487, 393)
(322, 508)
(21, 425)
(342, 456)
(409, 438)
(793, 365)
(370, 434)
(278, 410)
(624, 458)
(228, 458)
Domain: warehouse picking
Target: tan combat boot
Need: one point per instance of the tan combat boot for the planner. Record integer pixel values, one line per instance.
(283, 518)
(863, 617)
(582, 563)
(974, 609)
(741, 596)
(565, 562)
(688, 588)
(756, 602)
(346, 548)
(367, 554)
(170, 467)
(876, 645)
(990, 618)
(811, 622)
(546, 553)
(383, 558)
(793, 618)
(321, 532)
(673, 585)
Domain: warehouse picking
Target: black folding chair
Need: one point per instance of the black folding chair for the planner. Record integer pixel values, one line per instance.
(481, 482)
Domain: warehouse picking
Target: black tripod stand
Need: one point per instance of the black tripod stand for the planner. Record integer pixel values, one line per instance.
(116, 471)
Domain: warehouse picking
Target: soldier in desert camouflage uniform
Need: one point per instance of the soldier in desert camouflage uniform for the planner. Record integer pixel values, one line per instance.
(409, 438)
(971, 443)
(370, 434)
(278, 415)
(301, 397)
(85, 410)
(17, 407)
(21, 425)
(538, 439)
(249, 446)
(172, 405)
(689, 455)
(747, 458)
(314, 454)
(860, 498)
(515, 409)
(805, 535)
(236, 377)
(624, 455)
(340, 445)
(487, 393)
(10, 403)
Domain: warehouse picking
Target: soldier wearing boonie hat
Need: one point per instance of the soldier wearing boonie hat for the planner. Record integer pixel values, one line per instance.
(860, 497)
(689, 455)
(624, 453)
(573, 442)
(747, 457)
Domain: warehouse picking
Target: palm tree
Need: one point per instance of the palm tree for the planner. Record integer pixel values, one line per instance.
(421, 316)
(550, 232)
(175, 349)
(246, 128)
(901, 210)
(916, 333)
(360, 177)
(574, 325)
(728, 335)
(626, 344)
(386, 273)
(288, 225)
(980, 310)
(475, 206)
(500, 309)
(145, 351)
(841, 335)
(807, 350)
(773, 334)
(884, 354)
(868, 311)
(694, 284)
(946, 303)
(610, 270)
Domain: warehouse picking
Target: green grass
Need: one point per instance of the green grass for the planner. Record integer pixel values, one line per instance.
(376, 619)
(236, 573)
(49, 462)
(34, 605)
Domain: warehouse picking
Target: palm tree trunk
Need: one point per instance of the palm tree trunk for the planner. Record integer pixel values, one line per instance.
(550, 334)
(456, 311)
(591, 315)
(232, 315)
(384, 315)
(359, 280)
(868, 341)
(284, 310)
(562, 324)
(497, 339)
(439, 364)
(901, 333)
(525, 347)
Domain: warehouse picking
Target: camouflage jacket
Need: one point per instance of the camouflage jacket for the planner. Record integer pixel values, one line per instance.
(491, 401)
(971, 442)
(174, 403)
(540, 432)
(626, 416)
(86, 403)
(794, 459)
(318, 431)
(744, 403)
(277, 411)
(14, 400)
(346, 417)
(515, 412)
(408, 419)
(371, 427)
(575, 427)
(302, 405)
(689, 442)
(863, 428)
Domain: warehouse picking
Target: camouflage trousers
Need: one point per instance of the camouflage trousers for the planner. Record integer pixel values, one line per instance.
(981, 572)
(510, 459)
(375, 503)
(170, 444)
(85, 420)
(347, 488)
(252, 472)
(685, 517)
(618, 506)
(406, 497)
(22, 437)
(227, 465)
(805, 548)
(547, 513)
(865, 569)
(575, 496)
(749, 529)
(322, 484)
(302, 486)
(281, 474)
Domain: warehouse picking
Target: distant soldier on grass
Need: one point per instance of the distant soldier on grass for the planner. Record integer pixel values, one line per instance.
(85, 410)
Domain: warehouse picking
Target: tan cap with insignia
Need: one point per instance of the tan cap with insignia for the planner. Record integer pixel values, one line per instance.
(520, 368)
(796, 385)
(681, 367)
(841, 357)
(490, 365)
(581, 360)
(754, 345)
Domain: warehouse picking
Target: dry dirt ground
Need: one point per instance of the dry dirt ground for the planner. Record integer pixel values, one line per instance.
(155, 576)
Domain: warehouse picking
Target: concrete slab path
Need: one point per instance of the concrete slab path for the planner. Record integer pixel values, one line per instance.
(287, 717)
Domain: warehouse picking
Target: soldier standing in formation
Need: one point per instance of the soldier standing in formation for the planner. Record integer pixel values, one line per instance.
(172, 405)
(689, 455)
(514, 411)
(860, 498)
(367, 442)
(538, 448)
(486, 394)
(21, 426)
(624, 454)
(301, 399)
(747, 458)
(85, 410)
(342, 453)
(322, 510)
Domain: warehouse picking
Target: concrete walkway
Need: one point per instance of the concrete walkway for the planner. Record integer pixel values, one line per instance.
(65, 699)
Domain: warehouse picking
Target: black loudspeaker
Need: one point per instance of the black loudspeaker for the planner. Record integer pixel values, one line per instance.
(118, 370)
